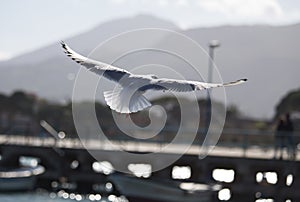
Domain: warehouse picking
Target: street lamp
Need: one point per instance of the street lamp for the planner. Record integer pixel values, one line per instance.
(212, 45)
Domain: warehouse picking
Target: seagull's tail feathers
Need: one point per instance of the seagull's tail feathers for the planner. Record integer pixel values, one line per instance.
(138, 102)
(123, 101)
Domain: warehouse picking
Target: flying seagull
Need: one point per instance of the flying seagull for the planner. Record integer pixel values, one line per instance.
(128, 96)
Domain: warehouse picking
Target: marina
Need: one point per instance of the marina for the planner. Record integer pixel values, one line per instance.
(70, 167)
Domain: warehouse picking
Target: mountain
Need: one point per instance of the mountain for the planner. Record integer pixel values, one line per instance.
(268, 56)
(50, 74)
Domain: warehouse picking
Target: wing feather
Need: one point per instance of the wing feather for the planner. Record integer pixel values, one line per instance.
(110, 72)
(186, 86)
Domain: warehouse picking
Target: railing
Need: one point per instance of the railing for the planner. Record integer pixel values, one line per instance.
(243, 143)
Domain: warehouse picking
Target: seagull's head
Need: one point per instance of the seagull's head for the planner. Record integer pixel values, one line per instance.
(153, 76)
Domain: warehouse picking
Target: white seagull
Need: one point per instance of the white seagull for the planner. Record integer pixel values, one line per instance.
(128, 96)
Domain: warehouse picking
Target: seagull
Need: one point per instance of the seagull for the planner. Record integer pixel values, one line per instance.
(128, 96)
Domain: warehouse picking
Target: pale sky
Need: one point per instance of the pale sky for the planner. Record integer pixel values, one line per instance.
(30, 24)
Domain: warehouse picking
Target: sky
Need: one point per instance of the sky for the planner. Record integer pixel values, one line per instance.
(30, 24)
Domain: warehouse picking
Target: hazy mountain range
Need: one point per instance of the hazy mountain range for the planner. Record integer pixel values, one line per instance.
(268, 56)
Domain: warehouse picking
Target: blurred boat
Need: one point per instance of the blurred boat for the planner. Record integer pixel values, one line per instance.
(19, 179)
(150, 190)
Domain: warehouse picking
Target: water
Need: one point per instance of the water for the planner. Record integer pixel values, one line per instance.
(43, 196)
(30, 197)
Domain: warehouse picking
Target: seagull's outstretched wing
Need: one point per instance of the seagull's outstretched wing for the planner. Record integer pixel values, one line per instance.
(185, 86)
(108, 71)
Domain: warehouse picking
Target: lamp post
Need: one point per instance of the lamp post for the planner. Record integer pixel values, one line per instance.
(212, 45)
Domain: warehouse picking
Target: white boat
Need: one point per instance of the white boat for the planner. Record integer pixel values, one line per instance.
(19, 179)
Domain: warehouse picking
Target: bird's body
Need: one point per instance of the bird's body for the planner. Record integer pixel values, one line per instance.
(127, 96)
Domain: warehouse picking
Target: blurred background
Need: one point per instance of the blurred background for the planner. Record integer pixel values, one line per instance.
(41, 155)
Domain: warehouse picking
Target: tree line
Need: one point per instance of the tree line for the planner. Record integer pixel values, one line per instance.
(21, 113)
